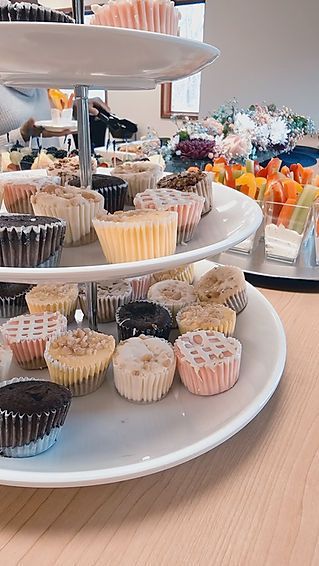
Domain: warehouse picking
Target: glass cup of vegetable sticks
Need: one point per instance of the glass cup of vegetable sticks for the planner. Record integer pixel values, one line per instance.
(286, 226)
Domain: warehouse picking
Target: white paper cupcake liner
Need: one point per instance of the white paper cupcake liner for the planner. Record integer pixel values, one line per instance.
(141, 390)
(140, 286)
(204, 189)
(79, 229)
(106, 305)
(208, 381)
(79, 380)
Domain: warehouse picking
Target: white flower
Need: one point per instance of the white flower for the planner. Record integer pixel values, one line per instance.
(261, 136)
(243, 124)
(278, 131)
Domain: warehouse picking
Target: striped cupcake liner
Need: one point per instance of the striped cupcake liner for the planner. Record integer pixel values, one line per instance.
(140, 286)
(13, 306)
(23, 435)
(238, 301)
(106, 306)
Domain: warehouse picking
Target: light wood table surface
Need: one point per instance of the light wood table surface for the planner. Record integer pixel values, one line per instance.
(253, 501)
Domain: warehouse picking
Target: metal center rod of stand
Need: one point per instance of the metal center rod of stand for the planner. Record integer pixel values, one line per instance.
(82, 102)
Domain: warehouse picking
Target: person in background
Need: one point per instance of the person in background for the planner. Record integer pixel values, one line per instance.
(20, 108)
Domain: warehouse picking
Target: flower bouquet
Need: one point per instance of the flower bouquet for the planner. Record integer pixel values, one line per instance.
(258, 132)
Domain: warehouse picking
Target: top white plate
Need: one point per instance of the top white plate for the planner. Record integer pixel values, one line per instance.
(64, 55)
(233, 218)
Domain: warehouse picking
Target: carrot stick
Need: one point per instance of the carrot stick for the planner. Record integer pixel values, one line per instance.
(286, 212)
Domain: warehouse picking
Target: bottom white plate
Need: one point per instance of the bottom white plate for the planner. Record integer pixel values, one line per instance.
(107, 439)
(53, 127)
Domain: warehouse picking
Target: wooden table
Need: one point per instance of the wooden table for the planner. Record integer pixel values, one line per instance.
(251, 502)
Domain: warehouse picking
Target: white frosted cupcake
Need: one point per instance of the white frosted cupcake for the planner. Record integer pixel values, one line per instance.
(79, 359)
(188, 206)
(59, 297)
(77, 207)
(172, 294)
(140, 286)
(28, 334)
(139, 175)
(144, 368)
(136, 234)
(206, 316)
(160, 16)
(224, 285)
(110, 296)
(207, 361)
(182, 273)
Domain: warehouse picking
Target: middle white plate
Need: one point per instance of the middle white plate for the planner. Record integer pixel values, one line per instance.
(55, 127)
(233, 218)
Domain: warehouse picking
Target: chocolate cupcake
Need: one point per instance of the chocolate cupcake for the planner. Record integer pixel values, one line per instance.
(113, 189)
(32, 413)
(27, 12)
(143, 317)
(4, 11)
(30, 241)
(12, 299)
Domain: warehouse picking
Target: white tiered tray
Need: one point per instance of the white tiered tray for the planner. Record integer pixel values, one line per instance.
(233, 218)
(64, 55)
(107, 439)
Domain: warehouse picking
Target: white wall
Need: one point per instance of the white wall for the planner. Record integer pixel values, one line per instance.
(269, 52)
(142, 107)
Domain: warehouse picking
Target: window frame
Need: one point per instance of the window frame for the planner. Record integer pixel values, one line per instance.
(166, 88)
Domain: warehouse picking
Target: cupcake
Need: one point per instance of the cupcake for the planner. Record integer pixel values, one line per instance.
(136, 234)
(12, 299)
(30, 241)
(144, 368)
(224, 285)
(150, 15)
(140, 286)
(17, 194)
(32, 413)
(172, 294)
(112, 189)
(188, 206)
(110, 296)
(79, 359)
(140, 176)
(59, 297)
(5, 361)
(67, 168)
(77, 207)
(143, 317)
(190, 182)
(26, 12)
(28, 334)
(206, 316)
(208, 363)
(182, 273)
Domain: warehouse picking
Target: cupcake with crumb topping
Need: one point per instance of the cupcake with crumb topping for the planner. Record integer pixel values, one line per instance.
(59, 297)
(79, 359)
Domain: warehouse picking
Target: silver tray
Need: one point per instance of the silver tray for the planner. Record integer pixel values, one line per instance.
(256, 262)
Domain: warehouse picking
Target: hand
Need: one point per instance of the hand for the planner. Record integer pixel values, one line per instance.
(95, 105)
(28, 130)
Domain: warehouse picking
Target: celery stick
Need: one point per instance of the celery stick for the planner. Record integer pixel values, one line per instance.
(262, 190)
(237, 173)
(299, 215)
(250, 166)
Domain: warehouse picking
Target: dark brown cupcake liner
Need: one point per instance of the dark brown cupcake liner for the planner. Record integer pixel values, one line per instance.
(25, 12)
(32, 246)
(238, 301)
(14, 306)
(23, 435)
(114, 195)
(4, 14)
(161, 329)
